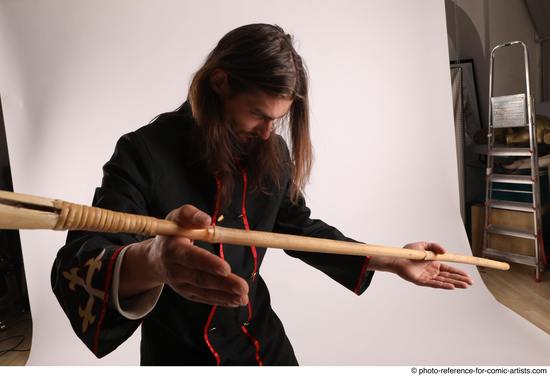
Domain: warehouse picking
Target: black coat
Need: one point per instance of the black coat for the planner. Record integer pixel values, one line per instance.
(153, 171)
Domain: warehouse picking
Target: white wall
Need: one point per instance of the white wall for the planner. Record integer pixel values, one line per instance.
(75, 75)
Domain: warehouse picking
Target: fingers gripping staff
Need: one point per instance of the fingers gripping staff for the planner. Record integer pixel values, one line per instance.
(19, 211)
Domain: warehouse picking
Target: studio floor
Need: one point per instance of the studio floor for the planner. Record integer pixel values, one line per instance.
(16, 336)
(518, 290)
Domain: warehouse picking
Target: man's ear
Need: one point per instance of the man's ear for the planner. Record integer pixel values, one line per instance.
(218, 81)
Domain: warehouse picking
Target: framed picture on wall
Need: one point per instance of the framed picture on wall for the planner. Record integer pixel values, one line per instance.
(471, 168)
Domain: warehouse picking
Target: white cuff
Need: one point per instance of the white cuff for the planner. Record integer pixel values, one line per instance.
(138, 306)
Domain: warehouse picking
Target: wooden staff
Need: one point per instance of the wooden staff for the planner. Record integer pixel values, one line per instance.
(20, 211)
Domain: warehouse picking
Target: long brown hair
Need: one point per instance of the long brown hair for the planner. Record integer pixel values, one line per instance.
(254, 57)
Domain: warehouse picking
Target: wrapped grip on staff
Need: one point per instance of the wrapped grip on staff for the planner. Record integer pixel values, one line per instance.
(80, 217)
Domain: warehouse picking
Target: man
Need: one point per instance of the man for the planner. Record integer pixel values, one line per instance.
(215, 160)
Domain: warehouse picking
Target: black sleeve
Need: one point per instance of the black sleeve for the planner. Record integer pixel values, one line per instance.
(349, 271)
(82, 271)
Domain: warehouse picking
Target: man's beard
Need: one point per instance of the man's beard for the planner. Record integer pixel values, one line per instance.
(248, 148)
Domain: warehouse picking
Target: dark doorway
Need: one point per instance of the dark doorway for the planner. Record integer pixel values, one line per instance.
(15, 317)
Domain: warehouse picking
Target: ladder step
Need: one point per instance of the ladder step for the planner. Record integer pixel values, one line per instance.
(511, 152)
(512, 205)
(507, 256)
(510, 232)
(512, 191)
(503, 178)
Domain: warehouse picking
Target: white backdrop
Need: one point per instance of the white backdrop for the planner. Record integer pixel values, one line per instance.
(75, 75)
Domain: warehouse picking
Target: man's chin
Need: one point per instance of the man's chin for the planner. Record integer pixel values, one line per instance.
(250, 145)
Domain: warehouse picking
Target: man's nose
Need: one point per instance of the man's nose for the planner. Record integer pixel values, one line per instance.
(266, 130)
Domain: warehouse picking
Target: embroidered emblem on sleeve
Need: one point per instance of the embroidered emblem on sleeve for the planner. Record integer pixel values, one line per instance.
(93, 265)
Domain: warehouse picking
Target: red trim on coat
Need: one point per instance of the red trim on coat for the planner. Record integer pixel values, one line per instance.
(249, 311)
(106, 290)
(255, 273)
(217, 208)
(212, 350)
(246, 225)
(213, 310)
(255, 343)
(361, 275)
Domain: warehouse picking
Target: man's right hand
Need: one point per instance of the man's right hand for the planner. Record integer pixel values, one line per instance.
(191, 271)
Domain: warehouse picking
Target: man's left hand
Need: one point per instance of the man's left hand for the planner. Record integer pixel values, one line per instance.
(423, 273)
(430, 273)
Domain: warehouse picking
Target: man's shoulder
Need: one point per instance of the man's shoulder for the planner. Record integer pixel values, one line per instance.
(166, 137)
(166, 125)
(167, 133)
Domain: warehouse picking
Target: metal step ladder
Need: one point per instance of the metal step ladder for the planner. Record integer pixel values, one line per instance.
(506, 112)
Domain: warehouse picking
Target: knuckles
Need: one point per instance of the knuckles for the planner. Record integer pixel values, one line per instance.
(183, 214)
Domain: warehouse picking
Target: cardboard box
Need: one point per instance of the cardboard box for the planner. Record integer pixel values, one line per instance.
(504, 218)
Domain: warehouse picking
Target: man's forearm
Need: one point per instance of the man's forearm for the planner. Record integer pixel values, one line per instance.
(381, 263)
(136, 273)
